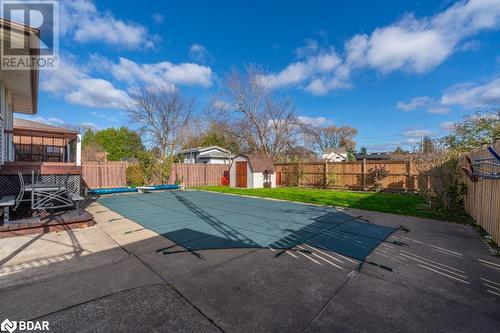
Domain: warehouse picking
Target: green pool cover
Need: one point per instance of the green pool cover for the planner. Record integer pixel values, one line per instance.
(202, 220)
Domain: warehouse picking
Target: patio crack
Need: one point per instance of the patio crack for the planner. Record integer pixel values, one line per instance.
(350, 275)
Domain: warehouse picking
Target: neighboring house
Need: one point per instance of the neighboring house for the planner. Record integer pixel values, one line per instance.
(335, 154)
(374, 156)
(252, 171)
(207, 155)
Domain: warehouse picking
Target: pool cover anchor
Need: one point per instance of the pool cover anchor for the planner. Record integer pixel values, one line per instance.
(403, 228)
(293, 249)
(187, 250)
(387, 268)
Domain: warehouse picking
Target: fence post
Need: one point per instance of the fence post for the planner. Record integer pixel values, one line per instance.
(363, 173)
(410, 178)
(326, 173)
(205, 181)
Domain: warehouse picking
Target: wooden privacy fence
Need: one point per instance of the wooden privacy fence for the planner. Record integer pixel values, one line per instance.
(112, 174)
(104, 174)
(198, 174)
(358, 175)
(482, 200)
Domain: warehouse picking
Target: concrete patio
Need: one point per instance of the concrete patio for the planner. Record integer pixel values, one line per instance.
(109, 278)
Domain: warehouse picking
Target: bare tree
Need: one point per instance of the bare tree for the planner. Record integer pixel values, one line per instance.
(260, 119)
(332, 137)
(161, 116)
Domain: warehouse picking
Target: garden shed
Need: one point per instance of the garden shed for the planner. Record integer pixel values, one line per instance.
(252, 171)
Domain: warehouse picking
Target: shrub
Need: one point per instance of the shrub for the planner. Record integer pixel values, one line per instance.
(447, 186)
(331, 180)
(134, 175)
(377, 175)
(150, 170)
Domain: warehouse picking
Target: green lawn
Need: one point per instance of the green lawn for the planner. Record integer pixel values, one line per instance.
(404, 204)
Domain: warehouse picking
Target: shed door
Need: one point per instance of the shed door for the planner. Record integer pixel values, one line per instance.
(241, 174)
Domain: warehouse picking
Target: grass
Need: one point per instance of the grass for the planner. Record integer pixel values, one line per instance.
(403, 204)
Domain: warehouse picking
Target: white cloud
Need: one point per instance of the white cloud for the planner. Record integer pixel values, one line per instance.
(298, 72)
(75, 84)
(414, 103)
(98, 93)
(324, 85)
(316, 121)
(423, 102)
(415, 45)
(103, 116)
(310, 47)
(417, 133)
(82, 20)
(165, 75)
(49, 121)
(419, 45)
(55, 121)
(66, 77)
(473, 95)
(438, 109)
(58, 122)
(199, 53)
(88, 124)
(78, 86)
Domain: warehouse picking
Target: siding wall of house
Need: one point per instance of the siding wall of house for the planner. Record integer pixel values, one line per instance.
(214, 160)
(6, 123)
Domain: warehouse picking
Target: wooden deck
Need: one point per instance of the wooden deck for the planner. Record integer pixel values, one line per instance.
(60, 221)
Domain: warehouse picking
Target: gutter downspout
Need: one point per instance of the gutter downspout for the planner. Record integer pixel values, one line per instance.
(78, 157)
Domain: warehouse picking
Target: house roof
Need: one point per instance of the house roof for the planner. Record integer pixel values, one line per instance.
(259, 162)
(340, 150)
(375, 156)
(27, 127)
(203, 149)
(22, 84)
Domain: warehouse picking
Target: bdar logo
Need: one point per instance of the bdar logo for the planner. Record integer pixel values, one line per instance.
(8, 326)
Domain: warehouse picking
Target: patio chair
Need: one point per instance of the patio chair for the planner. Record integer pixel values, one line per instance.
(44, 195)
(22, 189)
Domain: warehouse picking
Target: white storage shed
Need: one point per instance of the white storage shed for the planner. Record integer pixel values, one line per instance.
(252, 171)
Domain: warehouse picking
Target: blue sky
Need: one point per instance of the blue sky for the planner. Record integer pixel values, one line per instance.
(391, 69)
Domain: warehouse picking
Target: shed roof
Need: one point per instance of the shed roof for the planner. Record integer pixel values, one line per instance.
(259, 162)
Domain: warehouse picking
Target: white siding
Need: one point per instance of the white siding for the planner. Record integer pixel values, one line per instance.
(218, 161)
(258, 180)
(3, 124)
(254, 179)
